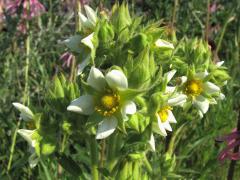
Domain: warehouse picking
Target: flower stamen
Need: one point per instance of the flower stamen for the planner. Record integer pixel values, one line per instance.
(109, 104)
(163, 113)
(193, 87)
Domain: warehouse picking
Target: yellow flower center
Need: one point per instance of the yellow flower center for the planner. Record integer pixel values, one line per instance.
(193, 87)
(163, 113)
(108, 101)
(109, 104)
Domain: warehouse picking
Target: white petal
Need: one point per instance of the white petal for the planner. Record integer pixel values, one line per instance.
(82, 65)
(152, 142)
(225, 83)
(84, 21)
(83, 105)
(33, 160)
(26, 113)
(170, 89)
(96, 79)
(171, 117)
(177, 100)
(201, 75)
(164, 44)
(91, 14)
(201, 103)
(27, 135)
(106, 127)
(129, 107)
(88, 41)
(167, 126)
(210, 88)
(116, 79)
(200, 114)
(220, 63)
(162, 130)
(183, 79)
(170, 74)
(221, 96)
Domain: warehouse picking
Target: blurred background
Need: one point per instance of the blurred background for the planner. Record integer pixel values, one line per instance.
(52, 21)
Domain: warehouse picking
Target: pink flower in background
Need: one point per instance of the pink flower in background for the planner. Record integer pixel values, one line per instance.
(213, 7)
(67, 59)
(35, 8)
(232, 140)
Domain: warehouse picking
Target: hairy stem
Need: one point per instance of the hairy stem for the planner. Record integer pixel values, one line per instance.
(94, 157)
(13, 147)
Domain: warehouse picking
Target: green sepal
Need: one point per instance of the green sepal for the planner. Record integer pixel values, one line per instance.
(137, 43)
(74, 43)
(136, 156)
(106, 32)
(48, 146)
(138, 122)
(141, 70)
(130, 94)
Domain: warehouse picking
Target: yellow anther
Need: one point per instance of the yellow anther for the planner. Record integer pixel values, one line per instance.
(109, 104)
(108, 101)
(163, 113)
(193, 87)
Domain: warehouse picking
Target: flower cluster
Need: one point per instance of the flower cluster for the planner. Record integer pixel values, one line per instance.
(134, 81)
(28, 9)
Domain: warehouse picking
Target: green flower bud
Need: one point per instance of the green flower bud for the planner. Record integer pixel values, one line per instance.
(140, 71)
(106, 32)
(137, 43)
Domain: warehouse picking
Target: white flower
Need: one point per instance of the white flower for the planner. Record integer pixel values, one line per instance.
(164, 115)
(196, 87)
(89, 21)
(164, 44)
(107, 100)
(28, 136)
(26, 113)
(164, 118)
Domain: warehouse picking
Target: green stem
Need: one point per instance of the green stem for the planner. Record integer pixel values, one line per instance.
(77, 29)
(48, 177)
(13, 147)
(174, 19)
(26, 88)
(207, 21)
(94, 157)
(65, 137)
(25, 96)
(51, 13)
(147, 165)
(111, 150)
(223, 32)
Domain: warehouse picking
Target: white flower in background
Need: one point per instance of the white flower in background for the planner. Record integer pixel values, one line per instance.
(199, 91)
(107, 100)
(164, 115)
(26, 113)
(77, 44)
(88, 22)
(164, 44)
(28, 136)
